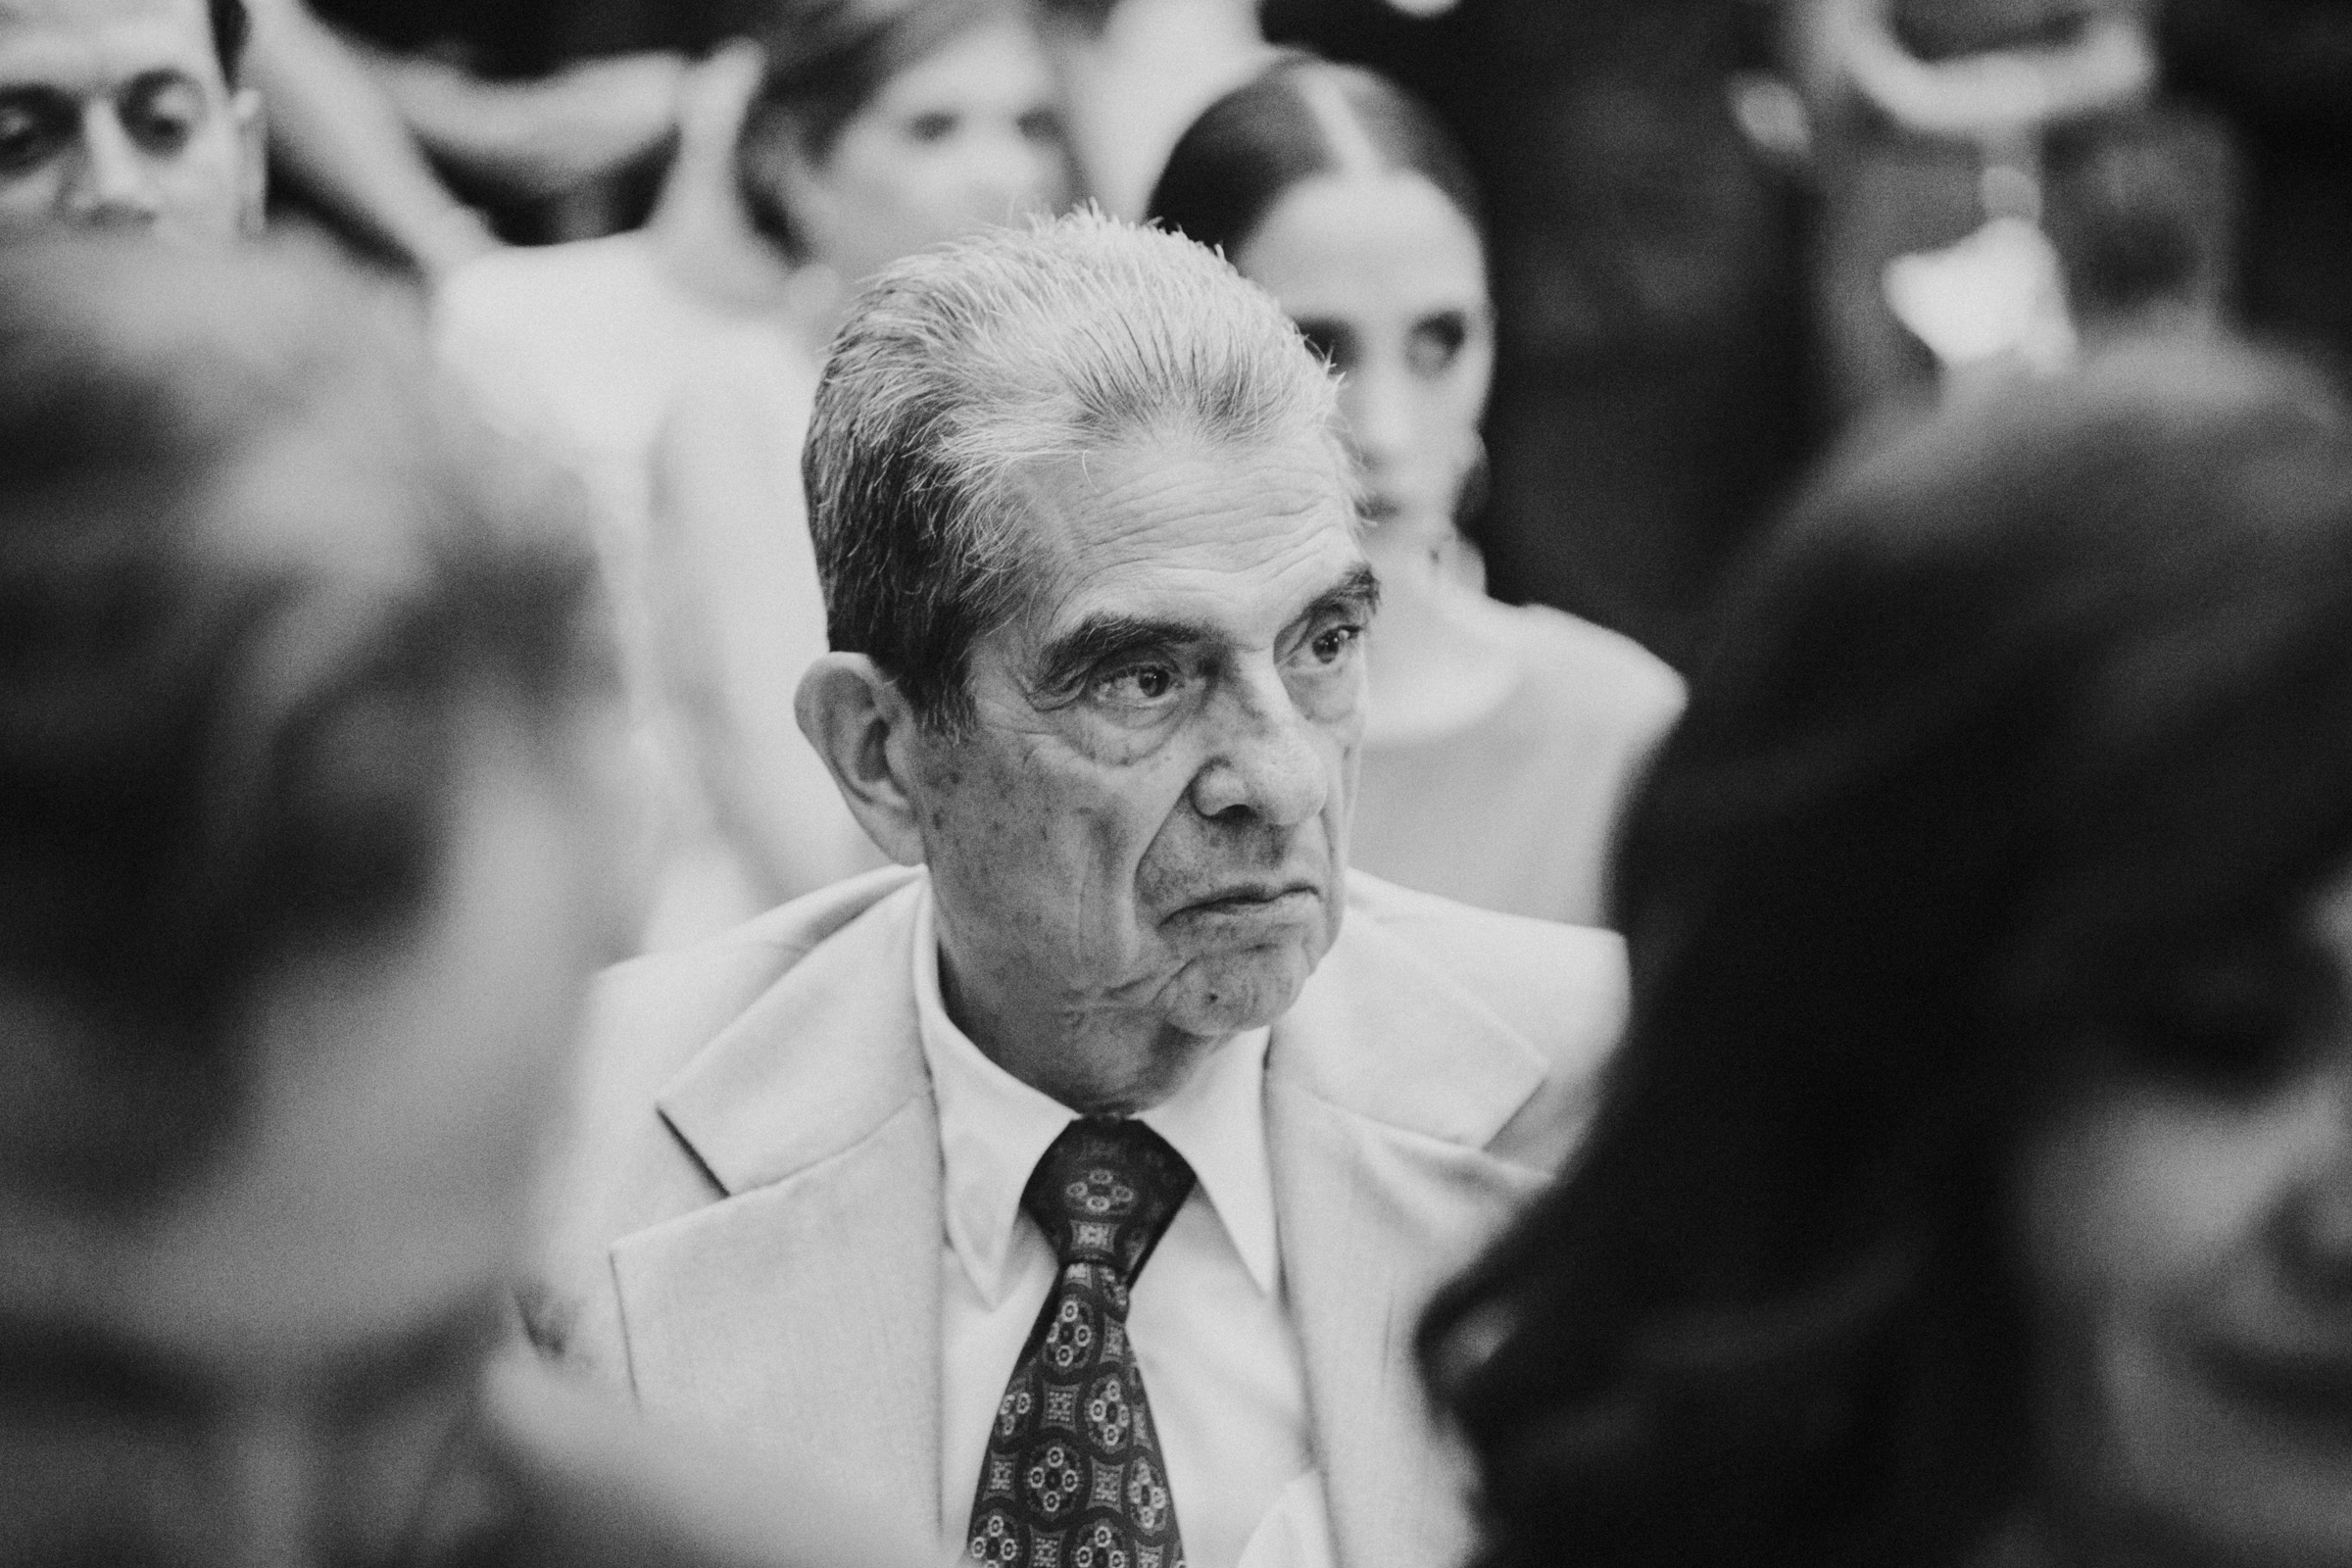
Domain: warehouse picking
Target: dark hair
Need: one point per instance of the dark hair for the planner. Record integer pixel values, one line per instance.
(227, 737)
(230, 29)
(826, 61)
(1249, 147)
(2027, 741)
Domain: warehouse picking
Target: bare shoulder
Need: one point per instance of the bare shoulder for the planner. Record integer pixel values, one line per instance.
(532, 281)
(1603, 673)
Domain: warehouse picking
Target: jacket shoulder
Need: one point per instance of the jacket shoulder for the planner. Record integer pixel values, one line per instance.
(1555, 984)
(1563, 988)
(647, 1017)
(623, 1167)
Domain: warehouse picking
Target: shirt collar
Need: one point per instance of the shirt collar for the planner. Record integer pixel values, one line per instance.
(994, 1129)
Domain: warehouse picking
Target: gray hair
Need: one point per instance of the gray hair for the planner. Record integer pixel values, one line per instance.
(966, 367)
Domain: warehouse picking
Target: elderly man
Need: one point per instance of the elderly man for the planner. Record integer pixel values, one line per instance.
(1084, 1185)
(303, 873)
(127, 112)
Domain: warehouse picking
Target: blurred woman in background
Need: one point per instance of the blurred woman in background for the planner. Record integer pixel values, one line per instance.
(1975, 1185)
(881, 126)
(676, 364)
(1501, 738)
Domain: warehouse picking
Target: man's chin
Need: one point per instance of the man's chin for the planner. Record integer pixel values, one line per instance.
(1231, 991)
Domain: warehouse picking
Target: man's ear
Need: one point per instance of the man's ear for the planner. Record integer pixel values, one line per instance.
(253, 152)
(864, 730)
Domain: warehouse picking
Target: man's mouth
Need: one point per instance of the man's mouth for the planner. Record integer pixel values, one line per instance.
(1270, 899)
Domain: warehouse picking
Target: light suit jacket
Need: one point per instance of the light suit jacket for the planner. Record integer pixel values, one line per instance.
(752, 1231)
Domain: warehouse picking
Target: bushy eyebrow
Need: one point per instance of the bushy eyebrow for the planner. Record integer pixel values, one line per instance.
(1357, 594)
(1108, 639)
(1101, 640)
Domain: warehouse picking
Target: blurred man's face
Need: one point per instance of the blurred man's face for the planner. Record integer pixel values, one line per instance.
(115, 112)
(278, 1362)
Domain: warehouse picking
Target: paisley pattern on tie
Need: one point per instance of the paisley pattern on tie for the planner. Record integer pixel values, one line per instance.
(1073, 1477)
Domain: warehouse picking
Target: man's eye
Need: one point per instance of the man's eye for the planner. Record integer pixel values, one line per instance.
(31, 133)
(1136, 685)
(1332, 643)
(161, 117)
(1042, 125)
(935, 126)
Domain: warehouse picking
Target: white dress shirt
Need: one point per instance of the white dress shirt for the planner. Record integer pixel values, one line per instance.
(1219, 1355)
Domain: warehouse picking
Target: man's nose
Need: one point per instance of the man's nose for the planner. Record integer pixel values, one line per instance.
(1265, 765)
(110, 182)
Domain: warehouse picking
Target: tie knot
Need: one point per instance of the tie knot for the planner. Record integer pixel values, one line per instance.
(1104, 1192)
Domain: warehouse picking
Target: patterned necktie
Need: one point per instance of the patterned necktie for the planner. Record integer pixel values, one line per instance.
(1073, 1477)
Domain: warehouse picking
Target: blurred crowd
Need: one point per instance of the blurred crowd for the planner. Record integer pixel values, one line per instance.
(1618, 722)
(1710, 238)
(1689, 202)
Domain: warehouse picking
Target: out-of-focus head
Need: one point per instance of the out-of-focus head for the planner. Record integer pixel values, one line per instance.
(1345, 198)
(881, 126)
(128, 113)
(1088, 548)
(1990, 1070)
(300, 826)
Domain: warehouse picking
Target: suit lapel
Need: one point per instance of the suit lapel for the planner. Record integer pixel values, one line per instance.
(1384, 1083)
(802, 1308)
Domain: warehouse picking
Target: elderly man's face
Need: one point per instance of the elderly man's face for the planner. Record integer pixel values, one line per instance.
(1150, 819)
(115, 112)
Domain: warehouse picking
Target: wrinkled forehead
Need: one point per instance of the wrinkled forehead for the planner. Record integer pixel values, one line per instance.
(1240, 537)
(70, 41)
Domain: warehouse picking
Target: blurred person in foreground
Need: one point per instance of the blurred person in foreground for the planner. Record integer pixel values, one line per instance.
(1975, 1185)
(871, 1180)
(674, 365)
(304, 865)
(127, 113)
(1501, 739)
